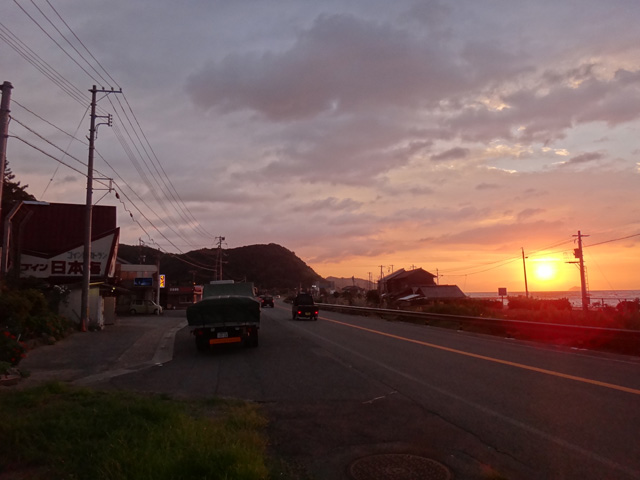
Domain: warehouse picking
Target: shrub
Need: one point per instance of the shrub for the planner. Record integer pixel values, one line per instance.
(373, 297)
(28, 314)
(11, 349)
(525, 303)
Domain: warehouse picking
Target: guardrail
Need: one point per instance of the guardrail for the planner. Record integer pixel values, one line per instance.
(599, 338)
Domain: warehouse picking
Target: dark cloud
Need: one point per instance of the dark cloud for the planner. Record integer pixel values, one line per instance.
(584, 158)
(457, 153)
(343, 64)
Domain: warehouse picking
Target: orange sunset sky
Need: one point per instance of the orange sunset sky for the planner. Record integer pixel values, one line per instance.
(364, 136)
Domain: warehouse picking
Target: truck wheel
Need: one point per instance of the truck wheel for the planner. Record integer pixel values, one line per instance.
(132, 311)
(202, 344)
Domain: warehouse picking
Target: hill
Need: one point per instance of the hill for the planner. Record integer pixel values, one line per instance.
(269, 267)
(341, 282)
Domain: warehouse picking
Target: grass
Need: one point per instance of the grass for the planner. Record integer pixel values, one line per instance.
(63, 432)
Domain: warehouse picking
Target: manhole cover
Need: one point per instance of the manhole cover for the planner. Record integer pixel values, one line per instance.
(393, 466)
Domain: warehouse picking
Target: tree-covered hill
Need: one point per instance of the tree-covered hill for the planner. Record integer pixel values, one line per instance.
(269, 267)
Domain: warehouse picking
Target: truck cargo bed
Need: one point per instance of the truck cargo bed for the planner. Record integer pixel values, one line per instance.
(224, 310)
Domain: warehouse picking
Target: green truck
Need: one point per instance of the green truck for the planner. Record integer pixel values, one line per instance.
(228, 313)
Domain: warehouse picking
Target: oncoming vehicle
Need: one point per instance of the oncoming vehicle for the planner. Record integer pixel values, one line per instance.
(144, 307)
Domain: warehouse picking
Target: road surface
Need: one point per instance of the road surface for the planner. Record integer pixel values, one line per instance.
(346, 387)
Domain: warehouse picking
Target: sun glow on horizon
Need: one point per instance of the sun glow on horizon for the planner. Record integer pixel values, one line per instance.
(548, 273)
(545, 271)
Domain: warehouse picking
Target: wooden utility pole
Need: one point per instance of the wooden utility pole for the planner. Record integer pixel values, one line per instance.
(4, 137)
(578, 253)
(86, 264)
(219, 259)
(524, 265)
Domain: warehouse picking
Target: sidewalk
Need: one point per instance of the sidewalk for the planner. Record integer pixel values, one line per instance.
(83, 358)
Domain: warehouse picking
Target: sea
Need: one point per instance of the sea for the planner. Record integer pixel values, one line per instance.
(597, 297)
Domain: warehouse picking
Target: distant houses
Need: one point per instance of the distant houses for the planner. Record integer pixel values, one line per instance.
(409, 286)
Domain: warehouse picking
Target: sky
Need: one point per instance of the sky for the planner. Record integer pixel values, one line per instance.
(365, 136)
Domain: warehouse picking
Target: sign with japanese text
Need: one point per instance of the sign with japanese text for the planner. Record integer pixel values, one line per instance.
(70, 264)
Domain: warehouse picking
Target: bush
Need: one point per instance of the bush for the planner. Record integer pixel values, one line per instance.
(27, 314)
(11, 349)
(373, 298)
(525, 303)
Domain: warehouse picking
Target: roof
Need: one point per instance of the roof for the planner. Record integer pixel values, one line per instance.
(402, 273)
(393, 275)
(408, 298)
(440, 291)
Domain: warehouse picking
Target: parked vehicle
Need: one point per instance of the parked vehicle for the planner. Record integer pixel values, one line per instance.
(304, 307)
(228, 313)
(144, 307)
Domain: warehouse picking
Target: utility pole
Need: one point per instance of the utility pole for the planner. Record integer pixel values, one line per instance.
(219, 259)
(142, 258)
(4, 137)
(578, 253)
(86, 264)
(524, 266)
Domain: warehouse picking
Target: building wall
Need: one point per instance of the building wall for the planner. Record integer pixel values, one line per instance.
(71, 309)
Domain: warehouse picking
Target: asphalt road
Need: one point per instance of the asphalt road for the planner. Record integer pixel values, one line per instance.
(346, 387)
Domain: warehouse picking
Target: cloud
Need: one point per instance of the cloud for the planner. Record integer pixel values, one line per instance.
(457, 153)
(503, 234)
(345, 64)
(330, 204)
(529, 212)
(487, 186)
(584, 158)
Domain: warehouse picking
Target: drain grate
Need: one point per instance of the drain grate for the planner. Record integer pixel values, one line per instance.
(394, 466)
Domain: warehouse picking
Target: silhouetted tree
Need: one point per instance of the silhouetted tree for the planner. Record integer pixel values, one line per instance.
(12, 194)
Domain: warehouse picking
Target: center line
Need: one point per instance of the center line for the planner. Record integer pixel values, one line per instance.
(495, 360)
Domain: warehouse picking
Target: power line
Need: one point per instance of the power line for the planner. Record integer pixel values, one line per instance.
(70, 44)
(42, 66)
(614, 240)
(54, 41)
(83, 45)
(169, 189)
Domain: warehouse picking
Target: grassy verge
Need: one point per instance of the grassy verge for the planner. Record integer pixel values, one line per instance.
(58, 431)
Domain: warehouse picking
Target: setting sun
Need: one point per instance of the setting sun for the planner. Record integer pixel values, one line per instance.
(544, 271)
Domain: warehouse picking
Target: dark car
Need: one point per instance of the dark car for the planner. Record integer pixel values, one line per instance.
(266, 301)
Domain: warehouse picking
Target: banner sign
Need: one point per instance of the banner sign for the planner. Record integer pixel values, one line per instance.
(70, 264)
